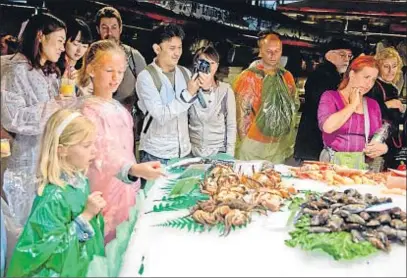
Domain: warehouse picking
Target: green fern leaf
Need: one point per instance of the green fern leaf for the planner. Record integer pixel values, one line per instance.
(182, 223)
(221, 228)
(177, 170)
(192, 173)
(184, 186)
(180, 202)
(188, 223)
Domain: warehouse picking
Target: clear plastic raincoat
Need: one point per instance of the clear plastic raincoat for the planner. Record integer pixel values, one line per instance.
(266, 105)
(27, 101)
(114, 157)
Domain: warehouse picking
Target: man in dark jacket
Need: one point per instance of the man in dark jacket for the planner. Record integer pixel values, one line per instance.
(327, 76)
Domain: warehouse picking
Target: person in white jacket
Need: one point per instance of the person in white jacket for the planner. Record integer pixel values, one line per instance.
(166, 92)
(213, 129)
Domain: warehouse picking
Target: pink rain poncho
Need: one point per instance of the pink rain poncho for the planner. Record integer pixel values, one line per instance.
(114, 157)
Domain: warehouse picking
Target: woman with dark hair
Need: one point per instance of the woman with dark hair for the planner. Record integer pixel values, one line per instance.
(29, 93)
(212, 129)
(78, 39)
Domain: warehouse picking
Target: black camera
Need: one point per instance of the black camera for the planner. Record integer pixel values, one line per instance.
(202, 65)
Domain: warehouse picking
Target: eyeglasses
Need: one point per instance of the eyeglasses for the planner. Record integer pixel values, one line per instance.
(344, 55)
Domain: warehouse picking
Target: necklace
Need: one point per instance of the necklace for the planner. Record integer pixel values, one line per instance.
(399, 142)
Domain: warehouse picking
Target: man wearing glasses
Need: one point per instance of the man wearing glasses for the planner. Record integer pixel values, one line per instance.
(327, 76)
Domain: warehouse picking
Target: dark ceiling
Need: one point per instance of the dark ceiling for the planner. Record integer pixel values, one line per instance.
(353, 18)
(303, 24)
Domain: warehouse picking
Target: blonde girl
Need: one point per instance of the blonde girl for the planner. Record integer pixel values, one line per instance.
(64, 230)
(114, 171)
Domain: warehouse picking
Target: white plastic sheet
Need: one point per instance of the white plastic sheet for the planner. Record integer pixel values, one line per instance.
(255, 251)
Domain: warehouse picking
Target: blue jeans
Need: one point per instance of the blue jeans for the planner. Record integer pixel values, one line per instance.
(146, 157)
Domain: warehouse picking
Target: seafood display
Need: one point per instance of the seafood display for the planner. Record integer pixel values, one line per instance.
(343, 224)
(352, 212)
(234, 197)
(337, 175)
(397, 182)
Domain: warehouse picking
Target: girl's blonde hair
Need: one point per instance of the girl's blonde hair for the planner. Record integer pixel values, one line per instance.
(51, 164)
(92, 55)
(389, 53)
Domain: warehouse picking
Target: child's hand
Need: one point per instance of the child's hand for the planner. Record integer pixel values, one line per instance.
(94, 205)
(147, 170)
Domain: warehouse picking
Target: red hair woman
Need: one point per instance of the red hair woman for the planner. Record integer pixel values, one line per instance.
(347, 118)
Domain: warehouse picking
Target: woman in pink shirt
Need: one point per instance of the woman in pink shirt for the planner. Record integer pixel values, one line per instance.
(341, 116)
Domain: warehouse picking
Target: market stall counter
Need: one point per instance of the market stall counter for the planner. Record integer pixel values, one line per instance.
(179, 234)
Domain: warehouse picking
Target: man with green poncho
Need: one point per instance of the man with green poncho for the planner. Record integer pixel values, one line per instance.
(266, 105)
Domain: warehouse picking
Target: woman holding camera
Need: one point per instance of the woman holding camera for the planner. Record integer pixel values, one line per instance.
(212, 125)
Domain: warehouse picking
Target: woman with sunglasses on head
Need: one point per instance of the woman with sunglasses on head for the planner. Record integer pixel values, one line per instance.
(212, 129)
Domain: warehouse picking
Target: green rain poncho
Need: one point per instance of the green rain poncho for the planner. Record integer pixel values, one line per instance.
(266, 105)
(50, 245)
